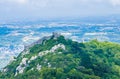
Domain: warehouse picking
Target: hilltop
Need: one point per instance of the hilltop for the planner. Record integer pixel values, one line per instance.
(56, 57)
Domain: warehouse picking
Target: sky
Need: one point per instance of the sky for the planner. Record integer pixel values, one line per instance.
(20, 10)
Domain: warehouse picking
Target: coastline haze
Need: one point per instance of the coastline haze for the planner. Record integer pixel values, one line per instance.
(22, 10)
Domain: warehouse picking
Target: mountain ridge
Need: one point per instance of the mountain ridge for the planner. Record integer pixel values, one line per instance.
(40, 41)
(61, 58)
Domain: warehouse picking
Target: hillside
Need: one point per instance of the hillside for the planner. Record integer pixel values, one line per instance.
(56, 57)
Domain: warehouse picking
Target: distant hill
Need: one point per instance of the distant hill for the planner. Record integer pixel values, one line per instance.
(56, 57)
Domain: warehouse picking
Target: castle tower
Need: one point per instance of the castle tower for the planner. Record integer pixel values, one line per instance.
(56, 35)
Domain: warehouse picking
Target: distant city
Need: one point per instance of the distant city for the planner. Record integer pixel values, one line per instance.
(15, 36)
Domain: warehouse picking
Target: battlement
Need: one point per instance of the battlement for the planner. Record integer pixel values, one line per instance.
(54, 35)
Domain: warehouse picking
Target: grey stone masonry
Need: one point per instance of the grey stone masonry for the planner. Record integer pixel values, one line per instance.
(54, 35)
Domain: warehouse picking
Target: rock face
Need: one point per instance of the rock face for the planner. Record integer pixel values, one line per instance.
(56, 47)
(21, 66)
(25, 61)
(55, 57)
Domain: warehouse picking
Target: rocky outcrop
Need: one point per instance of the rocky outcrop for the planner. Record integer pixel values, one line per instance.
(21, 66)
(25, 61)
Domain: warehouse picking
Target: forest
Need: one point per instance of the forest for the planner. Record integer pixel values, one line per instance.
(88, 60)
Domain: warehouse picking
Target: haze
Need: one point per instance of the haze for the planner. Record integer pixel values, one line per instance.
(21, 10)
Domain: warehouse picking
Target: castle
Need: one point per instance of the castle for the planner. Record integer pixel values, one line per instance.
(54, 35)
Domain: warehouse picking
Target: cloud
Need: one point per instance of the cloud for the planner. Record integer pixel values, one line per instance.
(21, 9)
(14, 1)
(60, 2)
(22, 1)
(115, 2)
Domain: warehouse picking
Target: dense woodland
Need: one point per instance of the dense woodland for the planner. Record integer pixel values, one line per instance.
(89, 60)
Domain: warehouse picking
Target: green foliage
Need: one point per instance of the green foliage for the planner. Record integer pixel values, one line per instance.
(90, 60)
